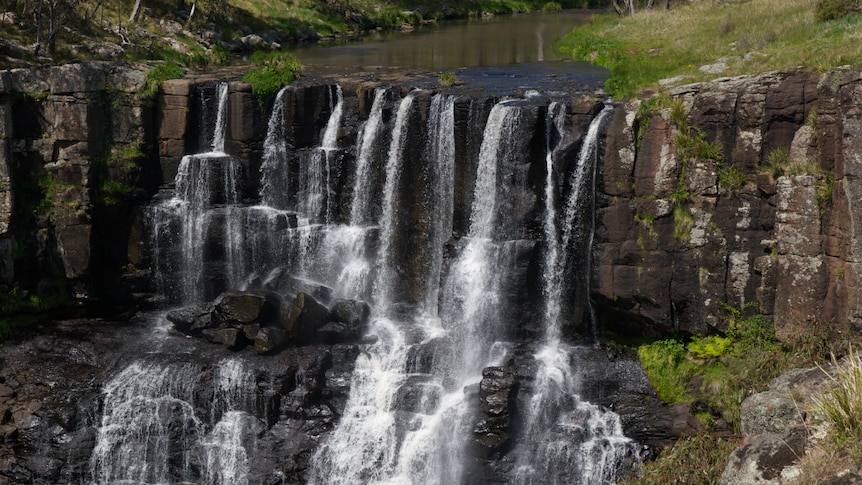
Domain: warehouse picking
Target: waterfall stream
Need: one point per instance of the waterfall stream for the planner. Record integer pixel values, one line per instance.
(445, 266)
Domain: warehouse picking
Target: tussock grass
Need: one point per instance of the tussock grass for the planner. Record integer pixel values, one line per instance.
(839, 408)
(754, 36)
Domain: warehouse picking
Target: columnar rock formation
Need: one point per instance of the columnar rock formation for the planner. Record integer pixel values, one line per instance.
(77, 148)
(675, 241)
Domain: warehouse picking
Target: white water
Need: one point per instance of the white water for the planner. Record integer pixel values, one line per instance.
(275, 174)
(315, 187)
(150, 431)
(566, 440)
(409, 417)
(221, 119)
(385, 277)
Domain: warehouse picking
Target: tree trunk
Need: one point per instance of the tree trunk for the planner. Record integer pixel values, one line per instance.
(135, 12)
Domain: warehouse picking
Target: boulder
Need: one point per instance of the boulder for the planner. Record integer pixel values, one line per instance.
(287, 285)
(765, 459)
(303, 318)
(231, 338)
(191, 319)
(269, 339)
(242, 307)
(354, 312)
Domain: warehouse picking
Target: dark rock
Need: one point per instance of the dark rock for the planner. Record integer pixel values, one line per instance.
(241, 307)
(231, 338)
(269, 339)
(303, 318)
(289, 286)
(188, 320)
(353, 312)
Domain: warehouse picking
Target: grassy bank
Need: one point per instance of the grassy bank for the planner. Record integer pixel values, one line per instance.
(749, 37)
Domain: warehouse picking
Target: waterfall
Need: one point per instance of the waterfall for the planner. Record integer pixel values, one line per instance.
(275, 172)
(472, 303)
(151, 430)
(446, 313)
(365, 150)
(220, 131)
(385, 275)
(566, 440)
(316, 167)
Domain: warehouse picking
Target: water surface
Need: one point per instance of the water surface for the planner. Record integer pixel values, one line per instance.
(517, 50)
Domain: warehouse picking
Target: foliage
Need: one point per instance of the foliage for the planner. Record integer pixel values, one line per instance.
(835, 9)
(552, 7)
(731, 179)
(665, 363)
(697, 146)
(274, 70)
(683, 222)
(640, 50)
(447, 79)
(839, 407)
(719, 371)
(155, 77)
(709, 346)
(21, 309)
(695, 460)
(777, 160)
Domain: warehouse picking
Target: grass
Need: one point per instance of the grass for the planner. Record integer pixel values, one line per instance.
(839, 408)
(695, 460)
(273, 71)
(652, 45)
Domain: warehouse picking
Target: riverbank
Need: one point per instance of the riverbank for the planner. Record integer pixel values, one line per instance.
(207, 33)
(702, 41)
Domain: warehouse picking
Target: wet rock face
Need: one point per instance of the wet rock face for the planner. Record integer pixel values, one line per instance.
(268, 321)
(674, 241)
(52, 400)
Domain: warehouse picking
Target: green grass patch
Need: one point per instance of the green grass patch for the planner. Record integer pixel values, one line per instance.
(273, 71)
(731, 179)
(655, 44)
(161, 73)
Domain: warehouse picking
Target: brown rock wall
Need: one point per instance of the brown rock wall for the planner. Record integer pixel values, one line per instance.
(786, 243)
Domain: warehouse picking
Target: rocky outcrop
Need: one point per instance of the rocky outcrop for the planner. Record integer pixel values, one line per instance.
(676, 239)
(268, 321)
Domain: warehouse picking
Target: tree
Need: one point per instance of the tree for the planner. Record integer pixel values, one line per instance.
(135, 12)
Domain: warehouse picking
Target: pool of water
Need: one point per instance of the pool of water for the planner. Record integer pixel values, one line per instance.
(513, 50)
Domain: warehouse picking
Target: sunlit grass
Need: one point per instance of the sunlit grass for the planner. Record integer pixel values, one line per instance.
(755, 36)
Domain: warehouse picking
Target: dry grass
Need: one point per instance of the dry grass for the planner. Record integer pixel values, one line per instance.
(774, 34)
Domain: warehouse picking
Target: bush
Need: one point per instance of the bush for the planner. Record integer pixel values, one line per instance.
(155, 78)
(552, 7)
(827, 10)
(274, 70)
(447, 79)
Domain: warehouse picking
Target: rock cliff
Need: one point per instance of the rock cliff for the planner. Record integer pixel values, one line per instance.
(767, 223)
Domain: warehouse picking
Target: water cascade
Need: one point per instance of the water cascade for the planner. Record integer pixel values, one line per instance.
(564, 439)
(438, 231)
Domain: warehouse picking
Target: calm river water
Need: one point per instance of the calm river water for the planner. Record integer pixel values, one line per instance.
(514, 49)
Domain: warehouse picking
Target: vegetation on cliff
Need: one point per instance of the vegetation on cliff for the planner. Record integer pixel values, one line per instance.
(702, 41)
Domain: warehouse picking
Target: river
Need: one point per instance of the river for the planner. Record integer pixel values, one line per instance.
(500, 52)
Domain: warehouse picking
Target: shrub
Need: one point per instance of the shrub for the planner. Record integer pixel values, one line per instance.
(665, 363)
(731, 179)
(552, 7)
(708, 347)
(777, 160)
(448, 79)
(274, 70)
(827, 10)
(161, 73)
